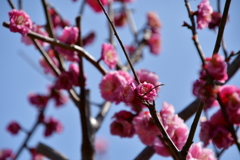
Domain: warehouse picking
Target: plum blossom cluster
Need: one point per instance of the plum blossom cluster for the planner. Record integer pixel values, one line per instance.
(155, 25)
(216, 130)
(126, 124)
(57, 21)
(215, 69)
(119, 86)
(204, 13)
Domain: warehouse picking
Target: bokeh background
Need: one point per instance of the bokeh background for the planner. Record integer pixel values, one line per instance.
(177, 66)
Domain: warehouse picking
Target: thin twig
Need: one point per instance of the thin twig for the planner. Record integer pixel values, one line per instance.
(82, 7)
(71, 47)
(194, 125)
(194, 33)
(30, 133)
(120, 42)
(11, 4)
(222, 27)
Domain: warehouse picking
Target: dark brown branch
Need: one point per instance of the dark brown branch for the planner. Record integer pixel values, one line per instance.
(49, 152)
(222, 27)
(101, 115)
(194, 32)
(11, 4)
(20, 4)
(82, 7)
(194, 125)
(120, 42)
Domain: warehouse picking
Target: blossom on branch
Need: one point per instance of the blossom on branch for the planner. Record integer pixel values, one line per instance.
(153, 20)
(13, 127)
(146, 92)
(40, 101)
(204, 14)
(120, 19)
(19, 22)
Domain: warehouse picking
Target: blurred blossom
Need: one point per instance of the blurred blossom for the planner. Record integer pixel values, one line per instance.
(57, 95)
(122, 124)
(69, 36)
(13, 127)
(196, 152)
(204, 14)
(95, 5)
(6, 154)
(215, 20)
(64, 81)
(120, 19)
(40, 101)
(19, 22)
(56, 19)
(52, 125)
(153, 20)
(109, 55)
(87, 40)
(155, 43)
(101, 145)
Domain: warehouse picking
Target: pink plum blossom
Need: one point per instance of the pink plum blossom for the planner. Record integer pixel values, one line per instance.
(109, 55)
(206, 92)
(52, 125)
(95, 5)
(174, 126)
(88, 39)
(153, 20)
(145, 128)
(40, 101)
(13, 127)
(58, 97)
(230, 97)
(112, 84)
(69, 36)
(5, 154)
(37, 29)
(74, 74)
(216, 68)
(128, 92)
(145, 87)
(154, 43)
(122, 125)
(204, 14)
(19, 22)
(150, 77)
(120, 19)
(215, 20)
(196, 152)
(216, 130)
(101, 145)
(64, 81)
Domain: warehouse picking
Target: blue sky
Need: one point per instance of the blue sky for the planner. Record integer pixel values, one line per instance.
(177, 66)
